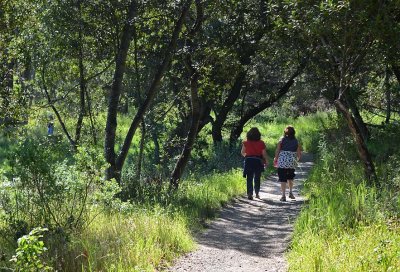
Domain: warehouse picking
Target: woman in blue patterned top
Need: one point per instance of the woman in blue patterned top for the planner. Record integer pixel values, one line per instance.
(287, 153)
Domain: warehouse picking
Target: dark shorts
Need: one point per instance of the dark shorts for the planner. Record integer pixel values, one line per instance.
(286, 173)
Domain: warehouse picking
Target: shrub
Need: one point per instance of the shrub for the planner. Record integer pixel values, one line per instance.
(59, 195)
(29, 251)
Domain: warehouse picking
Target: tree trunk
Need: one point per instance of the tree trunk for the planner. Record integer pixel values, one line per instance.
(191, 137)
(357, 116)
(396, 71)
(51, 104)
(362, 148)
(195, 103)
(111, 124)
(82, 85)
(116, 163)
(227, 107)
(252, 112)
(388, 97)
(156, 148)
(92, 124)
(245, 53)
(141, 150)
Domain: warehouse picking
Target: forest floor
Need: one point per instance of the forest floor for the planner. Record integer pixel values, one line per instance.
(249, 235)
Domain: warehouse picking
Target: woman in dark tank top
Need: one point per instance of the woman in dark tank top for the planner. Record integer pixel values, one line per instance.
(287, 153)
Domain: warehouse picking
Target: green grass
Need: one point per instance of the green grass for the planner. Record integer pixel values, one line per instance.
(367, 248)
(149, 236)
(347, 225)
(141, 241)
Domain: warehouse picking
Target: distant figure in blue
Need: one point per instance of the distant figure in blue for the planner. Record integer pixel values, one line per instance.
(50, 128)
(287, 153)
(254, 151)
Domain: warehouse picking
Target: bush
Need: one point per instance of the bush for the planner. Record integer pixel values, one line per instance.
(29, 251)
(44, 191)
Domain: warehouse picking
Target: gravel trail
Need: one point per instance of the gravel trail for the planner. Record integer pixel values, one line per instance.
(249, 235)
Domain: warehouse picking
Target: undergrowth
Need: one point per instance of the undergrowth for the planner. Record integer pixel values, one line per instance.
(347, 225)
(143, 230)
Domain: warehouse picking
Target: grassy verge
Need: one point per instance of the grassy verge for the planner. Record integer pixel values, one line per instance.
(348, 226)
(149, 236)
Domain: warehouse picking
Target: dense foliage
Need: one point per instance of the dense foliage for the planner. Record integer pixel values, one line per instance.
(146, 97)
(345, 219)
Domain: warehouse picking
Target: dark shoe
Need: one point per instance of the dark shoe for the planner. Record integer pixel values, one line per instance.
(291, 196)
(283, 198)
(258, 196)
(250, 197)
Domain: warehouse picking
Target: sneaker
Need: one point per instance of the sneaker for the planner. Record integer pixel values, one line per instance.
(250, 197)
(283, 198)
(258, 196)
(291, 195)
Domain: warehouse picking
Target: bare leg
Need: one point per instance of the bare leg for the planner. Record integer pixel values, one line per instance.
(290, 181)
(283, 189)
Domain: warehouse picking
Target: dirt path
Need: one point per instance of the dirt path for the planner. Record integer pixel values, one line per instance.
(249, 235)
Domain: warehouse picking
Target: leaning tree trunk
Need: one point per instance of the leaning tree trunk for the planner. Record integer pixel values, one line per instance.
(195, 103)
(191, 137)
(388, 97)
(141, 150)
(117, 162)
(114, 171)
(357, 116)
(396, 71)
(237, 130)
(220, 119)
(362, 148)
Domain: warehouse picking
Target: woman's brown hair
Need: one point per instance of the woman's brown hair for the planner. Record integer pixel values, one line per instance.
(253, 134)
(289, 132)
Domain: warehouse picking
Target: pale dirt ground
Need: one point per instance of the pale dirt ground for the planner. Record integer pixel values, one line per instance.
(249, 235)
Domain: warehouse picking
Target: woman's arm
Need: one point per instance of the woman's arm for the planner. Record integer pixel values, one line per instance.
(278, 149)
(298, 152)
(265, 157)
(243, 151)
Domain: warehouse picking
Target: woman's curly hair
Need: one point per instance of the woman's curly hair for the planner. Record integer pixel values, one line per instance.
(253, 134)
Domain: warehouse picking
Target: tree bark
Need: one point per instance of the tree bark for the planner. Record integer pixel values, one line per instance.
(195, 103)
(141, 150)
(191, 137)
(156, 148)
(227, 107)
(82, 84)
(362, 148)
(252, 112)
(116, 163)
(120, 64)
(388, 97)
(357, 116)
(396, 71)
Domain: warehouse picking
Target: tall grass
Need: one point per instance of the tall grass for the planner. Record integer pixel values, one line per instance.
(347, 225)
(149, 235)
(144, 240)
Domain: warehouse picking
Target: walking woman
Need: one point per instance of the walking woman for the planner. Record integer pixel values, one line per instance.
(254, 151)
(287, 153)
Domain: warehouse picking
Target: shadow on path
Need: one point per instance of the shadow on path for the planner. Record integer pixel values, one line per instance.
(250, 235)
